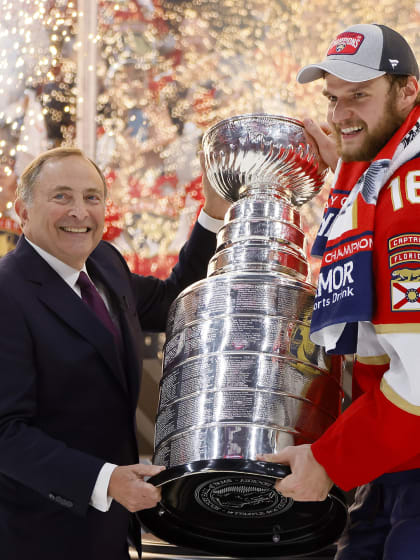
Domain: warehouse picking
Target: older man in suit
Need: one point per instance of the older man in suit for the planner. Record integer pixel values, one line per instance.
(71, 325)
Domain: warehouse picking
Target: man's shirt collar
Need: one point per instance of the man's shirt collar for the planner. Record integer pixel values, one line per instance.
(66, 272)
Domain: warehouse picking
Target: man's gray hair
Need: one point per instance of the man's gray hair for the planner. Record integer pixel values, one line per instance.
(30, 174)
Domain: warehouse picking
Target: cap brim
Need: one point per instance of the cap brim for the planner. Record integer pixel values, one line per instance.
(347, 71)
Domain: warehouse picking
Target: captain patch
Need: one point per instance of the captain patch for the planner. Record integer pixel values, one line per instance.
(403, 241)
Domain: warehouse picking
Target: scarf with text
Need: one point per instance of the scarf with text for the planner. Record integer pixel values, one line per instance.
(345, 240)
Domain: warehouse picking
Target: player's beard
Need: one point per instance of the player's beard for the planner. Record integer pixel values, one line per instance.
(376, 138)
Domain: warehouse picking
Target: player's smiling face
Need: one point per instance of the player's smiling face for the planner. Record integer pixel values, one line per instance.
(66, 214)
(363, 115)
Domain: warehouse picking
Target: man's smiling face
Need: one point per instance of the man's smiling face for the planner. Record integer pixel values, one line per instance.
(363, 115)
(66, 213)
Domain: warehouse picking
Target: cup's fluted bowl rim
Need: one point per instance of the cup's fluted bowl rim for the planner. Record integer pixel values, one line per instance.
(261, 152)
(254, 116)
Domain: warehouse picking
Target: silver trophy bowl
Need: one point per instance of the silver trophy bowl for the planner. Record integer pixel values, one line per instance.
(240, 374)
(250, 151)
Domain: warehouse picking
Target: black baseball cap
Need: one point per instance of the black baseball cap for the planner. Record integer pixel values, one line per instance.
(363, 52)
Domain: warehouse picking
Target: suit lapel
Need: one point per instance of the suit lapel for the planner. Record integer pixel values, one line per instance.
(109, 273)
(51, 289)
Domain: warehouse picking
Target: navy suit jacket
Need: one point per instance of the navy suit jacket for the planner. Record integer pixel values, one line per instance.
(68, 397)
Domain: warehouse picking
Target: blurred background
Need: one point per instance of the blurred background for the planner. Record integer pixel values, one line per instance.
(135, 83)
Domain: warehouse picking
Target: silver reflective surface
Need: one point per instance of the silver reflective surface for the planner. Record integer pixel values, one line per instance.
(266, 294)
(240, 374)
(259, 255)
(264, 229)
(245, 371)
(263, 152)
(221, 441)
(246, 333)
(264, 207)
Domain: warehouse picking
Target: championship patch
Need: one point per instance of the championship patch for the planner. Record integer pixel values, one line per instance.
(405, 289)
(346, 43)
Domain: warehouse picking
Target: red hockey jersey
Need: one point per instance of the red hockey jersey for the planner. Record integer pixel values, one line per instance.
(379, 432)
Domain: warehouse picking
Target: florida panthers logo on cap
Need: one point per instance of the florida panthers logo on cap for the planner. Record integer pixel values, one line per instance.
(346, 43)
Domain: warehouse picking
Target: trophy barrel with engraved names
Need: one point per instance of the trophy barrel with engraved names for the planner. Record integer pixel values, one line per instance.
(241, 376)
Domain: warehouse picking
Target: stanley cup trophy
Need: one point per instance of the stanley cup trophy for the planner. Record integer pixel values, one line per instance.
(240, 374)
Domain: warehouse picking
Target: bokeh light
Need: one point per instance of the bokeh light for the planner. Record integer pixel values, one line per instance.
(166, 71)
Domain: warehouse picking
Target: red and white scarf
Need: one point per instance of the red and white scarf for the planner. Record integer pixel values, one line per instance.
(345, 239)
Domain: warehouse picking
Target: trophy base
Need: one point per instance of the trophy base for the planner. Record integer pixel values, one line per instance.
(229, 507)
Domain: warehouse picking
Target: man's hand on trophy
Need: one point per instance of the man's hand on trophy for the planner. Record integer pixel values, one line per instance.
(322, 140)
(128, 487)
(214, 205)
(308, 481)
